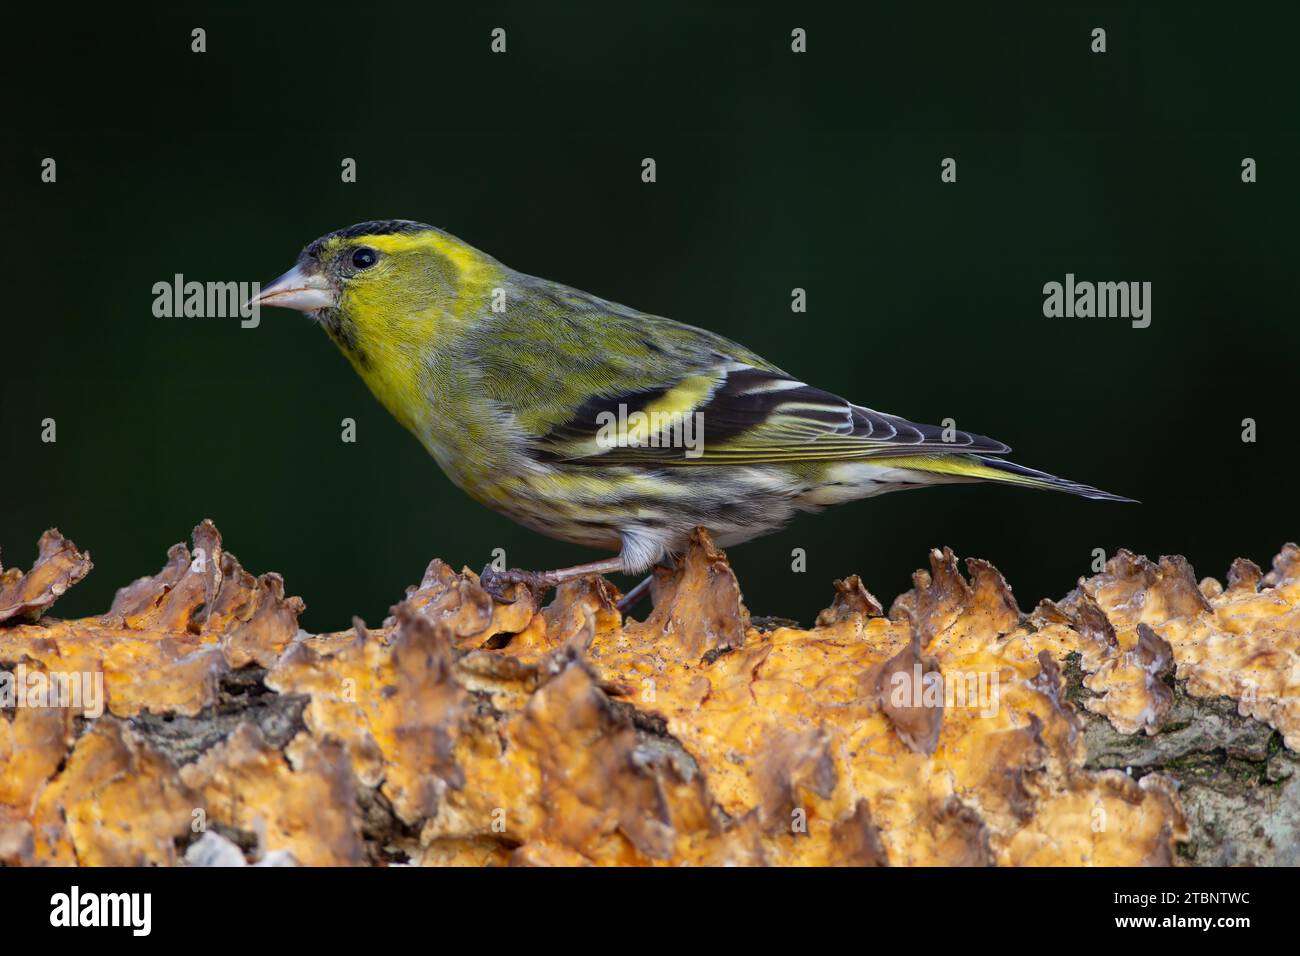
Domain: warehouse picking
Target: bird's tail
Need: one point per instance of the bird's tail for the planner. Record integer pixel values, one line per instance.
(983, 468)
(1007, 471)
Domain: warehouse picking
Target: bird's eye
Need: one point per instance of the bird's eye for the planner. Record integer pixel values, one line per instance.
(364, 258)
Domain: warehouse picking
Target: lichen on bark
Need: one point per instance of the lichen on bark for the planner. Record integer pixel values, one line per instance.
(1144, 718)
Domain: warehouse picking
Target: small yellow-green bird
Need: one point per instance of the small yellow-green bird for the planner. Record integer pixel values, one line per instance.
(595, 423)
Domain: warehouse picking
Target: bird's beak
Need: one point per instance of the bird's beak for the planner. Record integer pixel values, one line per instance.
(303, 289)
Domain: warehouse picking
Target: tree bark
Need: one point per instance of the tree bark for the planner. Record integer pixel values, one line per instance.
(1142, 719)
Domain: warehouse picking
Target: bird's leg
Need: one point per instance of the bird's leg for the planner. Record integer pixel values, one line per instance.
(539, 582)
(634, 596)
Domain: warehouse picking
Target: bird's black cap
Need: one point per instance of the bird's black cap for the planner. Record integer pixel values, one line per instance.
(375, 227)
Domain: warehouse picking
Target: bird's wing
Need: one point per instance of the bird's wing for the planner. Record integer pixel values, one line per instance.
(575, 392)
(735, 413)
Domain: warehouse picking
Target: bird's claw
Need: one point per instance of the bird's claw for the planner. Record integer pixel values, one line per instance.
(496, 583)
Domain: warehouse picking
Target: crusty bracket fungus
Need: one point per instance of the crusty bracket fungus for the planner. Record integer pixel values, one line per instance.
(465, 730)
(58, 566)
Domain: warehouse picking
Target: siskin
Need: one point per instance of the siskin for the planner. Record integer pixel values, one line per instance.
(597, 424)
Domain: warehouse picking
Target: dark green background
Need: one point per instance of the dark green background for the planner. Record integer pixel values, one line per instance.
(775, 171)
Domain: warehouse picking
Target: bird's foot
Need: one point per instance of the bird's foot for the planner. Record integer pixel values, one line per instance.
(497, 583)
(539, 582)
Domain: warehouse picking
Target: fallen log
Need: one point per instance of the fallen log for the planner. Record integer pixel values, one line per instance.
(1144, 718)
